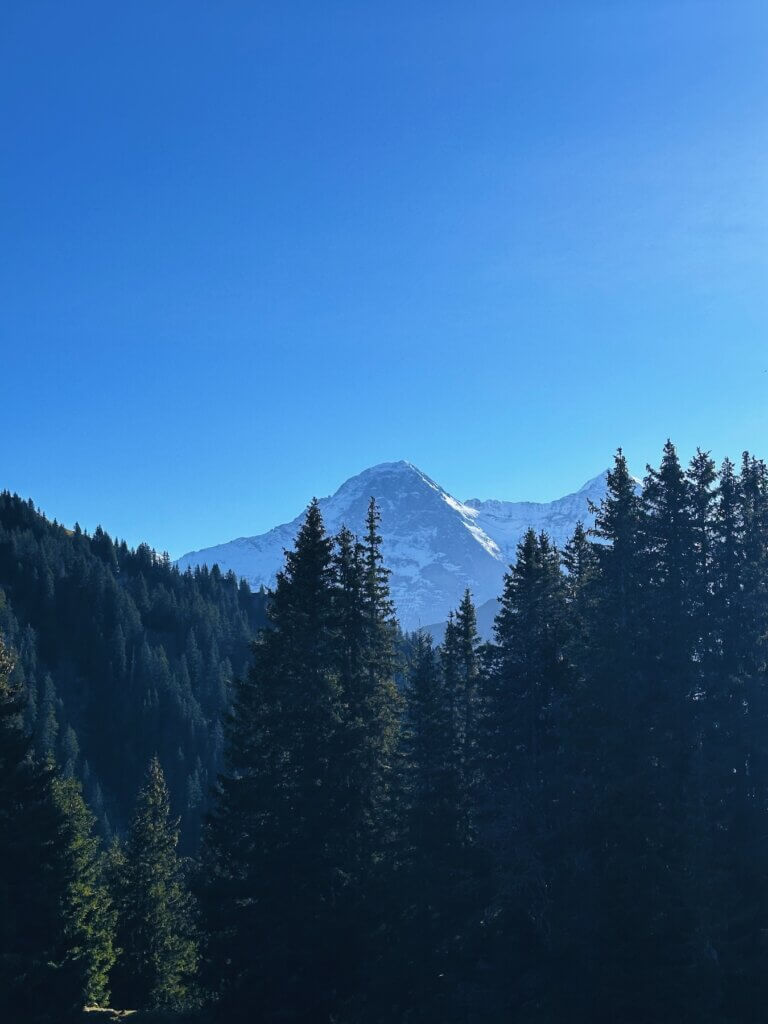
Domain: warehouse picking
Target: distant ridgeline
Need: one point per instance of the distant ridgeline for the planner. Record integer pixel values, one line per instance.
(122, 657)
(568, 823)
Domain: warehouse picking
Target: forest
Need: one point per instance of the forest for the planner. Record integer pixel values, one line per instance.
(120, 657)
(220, 806)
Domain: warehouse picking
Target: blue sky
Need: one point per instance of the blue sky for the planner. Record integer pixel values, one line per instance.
(252, 248)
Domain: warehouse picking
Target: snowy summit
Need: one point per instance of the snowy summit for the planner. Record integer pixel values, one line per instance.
(435, 545)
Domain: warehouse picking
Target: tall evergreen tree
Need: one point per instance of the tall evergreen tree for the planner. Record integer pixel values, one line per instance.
(461, 666)
(527, 694)
(631, 901)
(728, 555)
(365, 744)
(271, 852)
(381, 705)
(670, 546)
(702, 478)
(90, 914)
(580, 563)
(367, 732)
(41, 978)
(742, 736)
(156, 917)
(677, 512)
(421, 989)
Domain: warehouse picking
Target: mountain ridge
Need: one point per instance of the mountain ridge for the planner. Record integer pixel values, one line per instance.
(435, 545)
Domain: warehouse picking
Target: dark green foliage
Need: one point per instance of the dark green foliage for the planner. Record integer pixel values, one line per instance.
(119, 651)
(580, 805)
(567, 824)
(374, 705)
(293, 852)
(41, 976)
(527, 788)
(157, 932)
(461, 669)
(89, 911)
(364, 751)
(272, 882)
(438, 883)
(432, 825)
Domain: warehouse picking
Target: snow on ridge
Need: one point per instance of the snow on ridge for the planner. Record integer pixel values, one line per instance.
(435, 545)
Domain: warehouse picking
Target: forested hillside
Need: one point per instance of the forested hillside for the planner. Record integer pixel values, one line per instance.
(569, 823)
(121, 657)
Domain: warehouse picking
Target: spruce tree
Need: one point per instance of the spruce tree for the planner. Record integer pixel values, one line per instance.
(89, 910)
(677, 541)
(529, 664)
(366, 747)
(156, 916)
(420, 988)
(579, 562)
(744, 901)
(727, 559)
(461, 658)
(41, 978)
(630, 897)
(702, 480)
(427, 739)
(271, 878)
(672, 567)
(380, 707)
(524, 805)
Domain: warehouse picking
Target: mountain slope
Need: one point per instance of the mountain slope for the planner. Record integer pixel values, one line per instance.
(507, 521)
(435, 545)
(121, 657)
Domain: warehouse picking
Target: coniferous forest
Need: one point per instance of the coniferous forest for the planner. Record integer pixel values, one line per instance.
(224, 806)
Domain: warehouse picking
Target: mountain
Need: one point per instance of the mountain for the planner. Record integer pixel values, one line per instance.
(507, 521)
(435, 545)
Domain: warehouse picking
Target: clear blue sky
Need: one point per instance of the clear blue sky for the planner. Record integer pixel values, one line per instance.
(252, 248)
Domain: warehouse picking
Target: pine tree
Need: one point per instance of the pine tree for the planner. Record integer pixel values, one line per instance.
(366, 745)
(529, 663)
(670, 547)
(41, 979)
(89, 911)
(676, 507)
(461, 656)
(271, 879)
(728, 555)
(632, 713)
(743, 901)
(580, 562)
(702, 478)
(619, 524)
(527, 695)
(437, 898)
(156, 916)
(380, 707)
(432, 800)
(754, 576)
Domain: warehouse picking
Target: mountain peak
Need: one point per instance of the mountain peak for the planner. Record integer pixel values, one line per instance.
(401, 466)
(435, 546)
(596, 483)
(387, 482)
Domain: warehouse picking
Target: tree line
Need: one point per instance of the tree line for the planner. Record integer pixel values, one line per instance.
(565, 823)
(116, 650)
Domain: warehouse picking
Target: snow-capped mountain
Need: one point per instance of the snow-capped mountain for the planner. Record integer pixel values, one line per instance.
(507, 521)
(435, 545)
